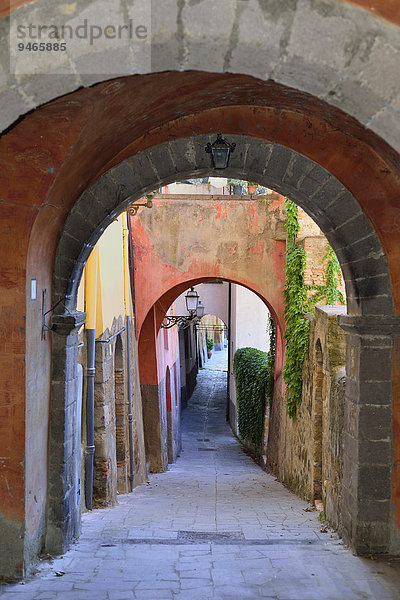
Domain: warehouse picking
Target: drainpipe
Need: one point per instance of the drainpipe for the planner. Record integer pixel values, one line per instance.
(229, 348)
(125, 233)
(91, 299)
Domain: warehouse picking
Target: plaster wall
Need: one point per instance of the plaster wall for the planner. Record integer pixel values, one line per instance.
(110, 303)
(160, 387)
(110, 322)
(188, 238)
(111, 269)
(252, 317)
(168, 369)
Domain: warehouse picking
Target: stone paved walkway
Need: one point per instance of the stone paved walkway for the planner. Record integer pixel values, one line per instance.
(215, 526)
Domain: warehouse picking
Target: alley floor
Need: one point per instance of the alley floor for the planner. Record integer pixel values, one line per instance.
(214, 526)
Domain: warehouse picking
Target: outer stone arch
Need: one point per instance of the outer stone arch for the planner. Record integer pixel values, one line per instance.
(332, 50)
(369, 294)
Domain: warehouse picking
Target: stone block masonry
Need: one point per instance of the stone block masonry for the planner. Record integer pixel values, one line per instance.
(307, 455)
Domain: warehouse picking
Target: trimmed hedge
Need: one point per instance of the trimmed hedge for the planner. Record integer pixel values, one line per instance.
(252, 369)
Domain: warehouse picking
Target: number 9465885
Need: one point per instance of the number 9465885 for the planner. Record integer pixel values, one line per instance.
(43, 46)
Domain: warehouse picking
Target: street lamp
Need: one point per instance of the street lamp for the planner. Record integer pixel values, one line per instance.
(192, 299)
(220, 151)
(200, 310)
(195, 309)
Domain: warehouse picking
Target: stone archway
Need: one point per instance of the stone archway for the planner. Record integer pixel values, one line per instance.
(290, 43)
(370, 322)
(279, 83)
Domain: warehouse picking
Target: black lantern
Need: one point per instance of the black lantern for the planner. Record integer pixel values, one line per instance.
(192, 299)
(195, 309)
(200, 310)
(220, 151)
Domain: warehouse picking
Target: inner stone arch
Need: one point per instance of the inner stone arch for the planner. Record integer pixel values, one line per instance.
(321, 195)
(311, 186)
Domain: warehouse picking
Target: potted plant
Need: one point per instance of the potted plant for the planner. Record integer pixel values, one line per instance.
(210, 346)
(236, 186)
(252, 187)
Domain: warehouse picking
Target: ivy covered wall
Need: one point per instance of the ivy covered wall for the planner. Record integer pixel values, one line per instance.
(301, 298)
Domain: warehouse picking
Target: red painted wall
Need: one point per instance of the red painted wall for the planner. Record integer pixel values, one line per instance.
(186, 239)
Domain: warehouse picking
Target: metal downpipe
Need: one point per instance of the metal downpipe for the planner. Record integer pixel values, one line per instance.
(127, 300)
(129, 389)
(89, 453)
(228, 386)
(91, 273)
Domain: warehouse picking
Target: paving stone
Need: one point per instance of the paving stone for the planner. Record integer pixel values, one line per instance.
(120, 595)
(132, 551)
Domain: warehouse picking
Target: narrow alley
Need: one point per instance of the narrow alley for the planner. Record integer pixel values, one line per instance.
(214, 526)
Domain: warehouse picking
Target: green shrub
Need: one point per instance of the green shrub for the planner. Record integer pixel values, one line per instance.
(251, 368)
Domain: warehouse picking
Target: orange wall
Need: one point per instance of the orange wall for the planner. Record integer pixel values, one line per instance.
(185, 239)
(180, 240)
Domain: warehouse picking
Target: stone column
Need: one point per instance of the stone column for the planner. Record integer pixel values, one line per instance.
(63, 498)
(368, 435)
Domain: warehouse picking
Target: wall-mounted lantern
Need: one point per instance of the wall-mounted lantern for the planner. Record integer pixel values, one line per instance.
(220, 151)
(192, 300)
(200, 310)
(194, 307)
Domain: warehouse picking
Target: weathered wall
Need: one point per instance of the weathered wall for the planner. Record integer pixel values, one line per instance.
(105, 457)
(159, 359)
(111, 459)
(168, 369)
(306, 453)
(312, 239)
(172, 245)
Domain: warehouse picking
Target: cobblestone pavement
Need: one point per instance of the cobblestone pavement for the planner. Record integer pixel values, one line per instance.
(215, 526)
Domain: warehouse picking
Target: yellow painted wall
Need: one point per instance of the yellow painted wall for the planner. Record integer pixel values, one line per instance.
(111, 276)
(110, 290)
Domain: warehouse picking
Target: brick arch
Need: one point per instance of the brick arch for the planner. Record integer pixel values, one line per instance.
(318, 47)
(370, 304)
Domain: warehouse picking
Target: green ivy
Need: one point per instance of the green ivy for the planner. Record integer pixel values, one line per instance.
(269, 386)
(329, 292)
(295, 300)
(251, 368)
(297, 304)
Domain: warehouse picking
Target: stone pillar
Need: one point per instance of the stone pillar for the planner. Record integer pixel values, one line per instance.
(368, 435)
(105, 456)
(64, 490)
